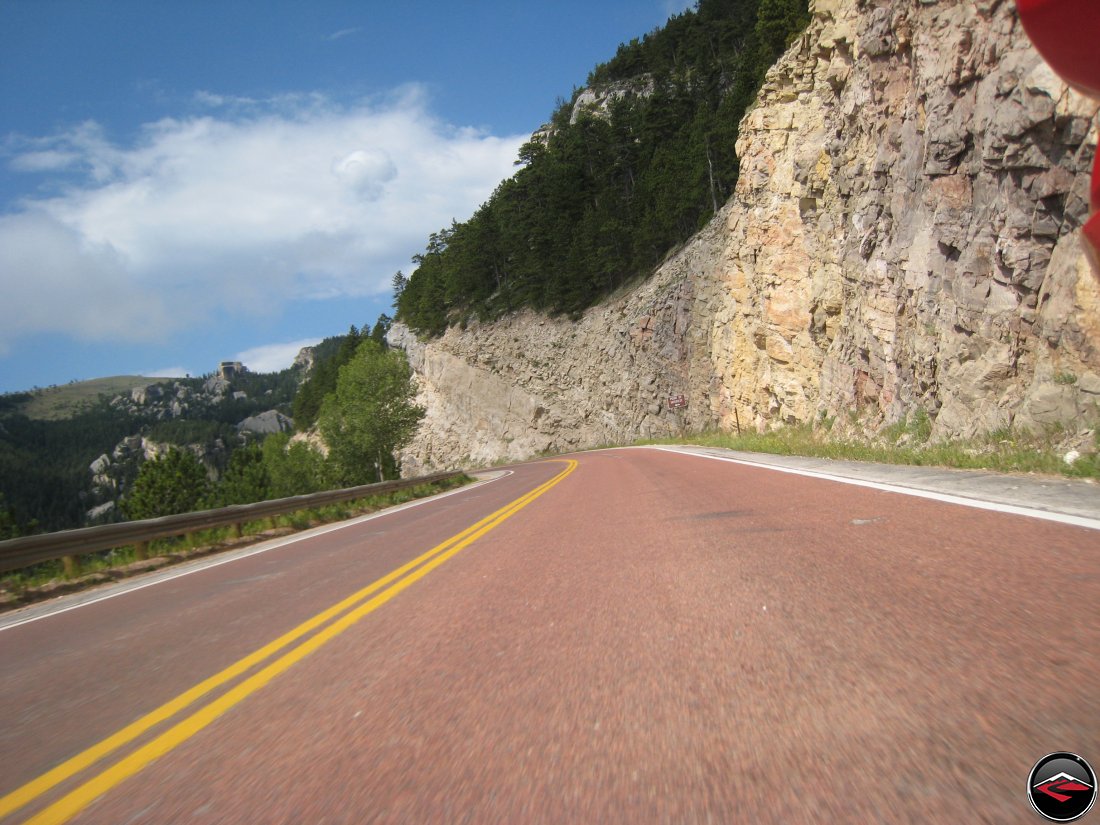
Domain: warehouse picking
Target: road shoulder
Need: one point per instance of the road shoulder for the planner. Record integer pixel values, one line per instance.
(1074, 501)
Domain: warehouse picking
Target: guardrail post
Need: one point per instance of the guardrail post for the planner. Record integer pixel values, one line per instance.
(141, 550)
(236, 529)
(72, 567)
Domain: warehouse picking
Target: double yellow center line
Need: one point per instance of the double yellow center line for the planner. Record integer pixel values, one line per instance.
(382, 590)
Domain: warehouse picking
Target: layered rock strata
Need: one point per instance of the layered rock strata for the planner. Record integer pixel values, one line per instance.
(903, 237)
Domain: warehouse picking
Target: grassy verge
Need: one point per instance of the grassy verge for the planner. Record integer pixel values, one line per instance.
(909, 443)
(48, 579)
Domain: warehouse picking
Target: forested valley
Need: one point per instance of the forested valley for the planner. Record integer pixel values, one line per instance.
(44, 462)
(357, 394)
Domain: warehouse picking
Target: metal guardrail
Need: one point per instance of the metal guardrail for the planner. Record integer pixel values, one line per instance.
(67, 544)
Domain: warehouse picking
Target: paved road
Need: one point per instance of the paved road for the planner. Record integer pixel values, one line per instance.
(651, 637)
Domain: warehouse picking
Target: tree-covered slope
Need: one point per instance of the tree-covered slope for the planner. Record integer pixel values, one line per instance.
(605, 192)
(45, 480)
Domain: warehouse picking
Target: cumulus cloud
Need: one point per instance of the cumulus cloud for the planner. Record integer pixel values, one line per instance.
(57, 280)
(237, 211)
(273, 357)
(366, 170)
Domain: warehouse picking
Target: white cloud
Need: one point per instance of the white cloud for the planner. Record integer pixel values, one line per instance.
(55, 280)
(273, 357)
(233, 213)
(216, 101)
(168, 372)
(338, 35)
(366, 170)
(45, 161)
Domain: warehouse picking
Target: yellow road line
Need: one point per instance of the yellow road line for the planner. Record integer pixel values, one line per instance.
(60, 811)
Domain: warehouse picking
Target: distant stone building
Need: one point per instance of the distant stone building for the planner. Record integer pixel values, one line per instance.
(231, 369)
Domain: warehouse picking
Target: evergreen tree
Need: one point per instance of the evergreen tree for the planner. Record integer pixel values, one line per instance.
(777, 24)
(399, 283)
(9, 527)
(322, 380)
(370, 415)
(245, 479)
(174, 483)
(380, 328)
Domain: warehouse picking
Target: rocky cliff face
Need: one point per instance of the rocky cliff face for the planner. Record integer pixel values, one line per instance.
(903, 236)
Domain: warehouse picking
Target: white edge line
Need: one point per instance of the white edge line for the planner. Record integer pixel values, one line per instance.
(198, 565)
(1013, 509)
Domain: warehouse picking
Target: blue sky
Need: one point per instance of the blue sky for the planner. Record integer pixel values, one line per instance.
(184, 183)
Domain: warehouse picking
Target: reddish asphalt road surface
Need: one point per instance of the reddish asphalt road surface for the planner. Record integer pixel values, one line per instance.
(655, 638)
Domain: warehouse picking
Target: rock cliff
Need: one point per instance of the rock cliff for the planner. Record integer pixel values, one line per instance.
(903, 236)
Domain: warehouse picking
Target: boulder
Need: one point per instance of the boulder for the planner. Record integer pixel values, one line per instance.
(265, 423)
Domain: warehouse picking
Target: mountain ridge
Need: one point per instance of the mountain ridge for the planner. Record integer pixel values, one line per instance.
(65, 400)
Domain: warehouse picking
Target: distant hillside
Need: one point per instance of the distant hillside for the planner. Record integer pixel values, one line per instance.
(69, 455)
(50, 438)
(56, 402)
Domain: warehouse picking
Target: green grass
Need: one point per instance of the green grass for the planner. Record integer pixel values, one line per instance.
(65, 401)
(908, 443)
(20, 586)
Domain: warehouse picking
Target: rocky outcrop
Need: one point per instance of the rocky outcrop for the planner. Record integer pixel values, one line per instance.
(903, 236)
(597, 101)
(216, 386)
(304, 360)
(162, 400)
(113, 475)
(265, 423)
(100, 514)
